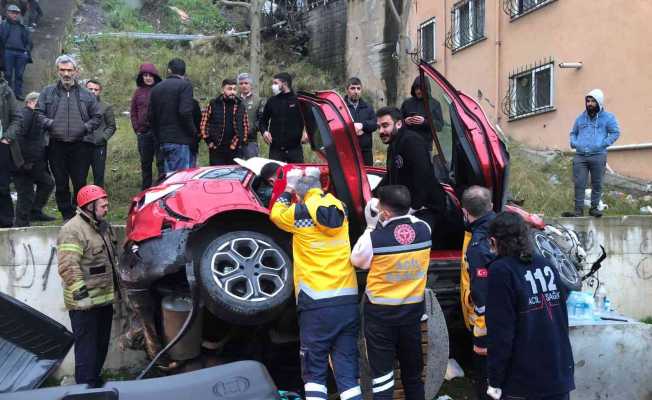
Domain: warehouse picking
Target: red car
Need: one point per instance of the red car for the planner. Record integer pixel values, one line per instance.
(209, 224)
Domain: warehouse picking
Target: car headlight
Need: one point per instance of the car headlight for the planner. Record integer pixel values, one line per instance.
(154, 195)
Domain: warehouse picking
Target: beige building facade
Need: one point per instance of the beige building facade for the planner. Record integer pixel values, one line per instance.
(531, 62)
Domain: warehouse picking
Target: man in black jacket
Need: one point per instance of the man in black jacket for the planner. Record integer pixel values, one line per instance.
(10, 157)
(225, 125)
(70, 114)
(101, 135)
(364, 118)
(408, 164)
(171, 117)
(17, 44)
(32, 141)
(282, 122)
(414, 112)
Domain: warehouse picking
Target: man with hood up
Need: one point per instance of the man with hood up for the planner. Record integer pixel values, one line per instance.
(594, 130)
(414, 112)
(147, 77)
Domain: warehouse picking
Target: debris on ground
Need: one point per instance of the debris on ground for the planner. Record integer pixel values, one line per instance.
(453, 370)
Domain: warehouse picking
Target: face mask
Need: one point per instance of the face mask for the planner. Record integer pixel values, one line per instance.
(276, 89)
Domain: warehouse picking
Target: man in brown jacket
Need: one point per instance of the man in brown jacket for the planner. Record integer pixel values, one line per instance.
(86, 248)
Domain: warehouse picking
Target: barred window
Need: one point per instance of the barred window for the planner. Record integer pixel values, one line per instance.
(531, 92)
(467, 24)
(427, 41)
(516, 8)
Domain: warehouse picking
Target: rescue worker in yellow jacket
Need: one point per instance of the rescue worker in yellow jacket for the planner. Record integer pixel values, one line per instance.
(86, 250)
(395, 248)
(474, 279)
(325, 284)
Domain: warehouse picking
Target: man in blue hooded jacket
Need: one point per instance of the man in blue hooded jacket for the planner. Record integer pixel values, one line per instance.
(594, 130)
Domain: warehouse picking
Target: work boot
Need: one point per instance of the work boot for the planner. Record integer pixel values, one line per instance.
(41, 216)
(595, 212)
(573, 214)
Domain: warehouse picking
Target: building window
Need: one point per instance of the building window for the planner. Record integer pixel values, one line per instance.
(517, 8)
(427, 40)
(531, 92)
(467, 24)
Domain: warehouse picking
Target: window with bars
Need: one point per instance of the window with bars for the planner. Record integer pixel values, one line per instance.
(516, 8)
(427, 31)
(531, 92)
(467, 24)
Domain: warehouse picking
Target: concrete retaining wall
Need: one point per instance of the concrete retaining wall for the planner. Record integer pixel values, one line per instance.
(326, 25)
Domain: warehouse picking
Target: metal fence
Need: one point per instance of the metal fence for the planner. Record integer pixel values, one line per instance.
(467, 24)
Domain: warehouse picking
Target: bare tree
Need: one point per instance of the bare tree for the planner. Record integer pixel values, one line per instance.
(402, 40)
(254, 7)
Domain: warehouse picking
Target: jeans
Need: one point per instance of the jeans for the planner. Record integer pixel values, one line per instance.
(69, 162)
(175, 156)
(91, 330)
(249, 150)
(384, 345)
(15, 63)
(582, 166)
(147, 150)
(29, 201)
(6, 205)
(98, 164)
(294, 155)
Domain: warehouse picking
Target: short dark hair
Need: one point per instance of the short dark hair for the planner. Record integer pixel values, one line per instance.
(177, 66)
(354, 80)
(229, 81)
(269, 170)
(477, 200)
(393, 112)
(512, 236)
(285, 77)
(94, 82)
(395, 197)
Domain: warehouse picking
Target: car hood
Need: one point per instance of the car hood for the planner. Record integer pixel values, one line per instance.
(32, 345)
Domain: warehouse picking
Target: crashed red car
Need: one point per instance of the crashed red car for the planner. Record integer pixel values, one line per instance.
(209, 226)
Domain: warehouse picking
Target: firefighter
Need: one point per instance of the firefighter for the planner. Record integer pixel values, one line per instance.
(395, 248)
(478, 211)
(86, 249)
(325, 284)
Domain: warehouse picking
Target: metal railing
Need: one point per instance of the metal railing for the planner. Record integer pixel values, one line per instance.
(516, 8)
(467, 24)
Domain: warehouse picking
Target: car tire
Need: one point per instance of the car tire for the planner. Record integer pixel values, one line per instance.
(245, 277)
(551, 251)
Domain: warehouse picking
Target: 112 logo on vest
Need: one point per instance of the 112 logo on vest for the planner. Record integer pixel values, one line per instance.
(404, 234)
(408, 270)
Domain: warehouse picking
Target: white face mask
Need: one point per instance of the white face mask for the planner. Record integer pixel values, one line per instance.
(276, 89)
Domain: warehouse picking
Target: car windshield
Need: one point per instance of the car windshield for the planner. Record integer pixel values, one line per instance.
(230, 173)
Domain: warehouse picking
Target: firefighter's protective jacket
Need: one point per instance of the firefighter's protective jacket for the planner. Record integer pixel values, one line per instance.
(476, 257)
(323, 274)
(86, 256)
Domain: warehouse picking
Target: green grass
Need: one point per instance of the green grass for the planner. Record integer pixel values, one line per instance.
(647, 320)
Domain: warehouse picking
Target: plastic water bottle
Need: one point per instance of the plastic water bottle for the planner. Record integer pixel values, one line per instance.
(600, 297)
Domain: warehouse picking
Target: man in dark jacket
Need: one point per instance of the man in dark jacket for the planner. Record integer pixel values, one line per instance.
(171, 117)
(147, 77)
(70, 114)
(414, 112)
(282, 122)
(17, 44)
(10, 157)
(102, 134)
(364, 118)
(32, 141)
(255, 107)
(224, 125)
(408, 164)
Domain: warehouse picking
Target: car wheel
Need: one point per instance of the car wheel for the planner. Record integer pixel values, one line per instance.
(245, 277)
(548, 248)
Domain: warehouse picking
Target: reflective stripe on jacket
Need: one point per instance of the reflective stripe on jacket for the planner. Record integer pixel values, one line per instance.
(399, 268)
(323, 273)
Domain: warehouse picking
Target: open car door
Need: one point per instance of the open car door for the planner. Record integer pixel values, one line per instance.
(332, 135)
(470, 152)
(32, 345)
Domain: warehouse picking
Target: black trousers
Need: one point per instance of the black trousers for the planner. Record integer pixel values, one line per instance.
(98, 165)
(69, 163)
(368, 157)
(480, 377)
(6, 205)
(563, 396)
(30, 201)
(294, 155)
(91, 330)
(385, 344)
(223, 156)
(148, 149)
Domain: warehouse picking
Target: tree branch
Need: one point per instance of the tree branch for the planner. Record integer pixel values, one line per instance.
(392, 7)
(236, 3)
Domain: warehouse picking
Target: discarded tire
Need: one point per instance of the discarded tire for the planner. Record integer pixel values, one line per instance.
(245, 277)
(549, 249)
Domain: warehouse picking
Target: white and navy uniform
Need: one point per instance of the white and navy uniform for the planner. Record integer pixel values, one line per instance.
(397, 254)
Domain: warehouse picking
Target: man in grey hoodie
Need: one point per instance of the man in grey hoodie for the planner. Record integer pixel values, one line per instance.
(594, 130)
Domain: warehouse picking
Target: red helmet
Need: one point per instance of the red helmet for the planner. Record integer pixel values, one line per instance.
(89, 194)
